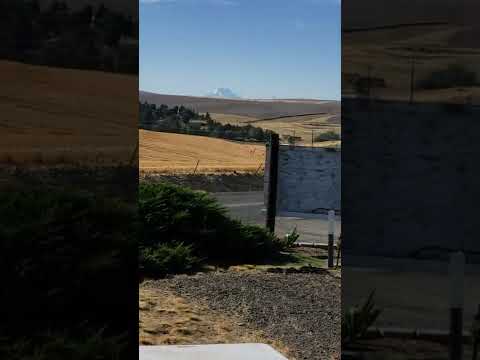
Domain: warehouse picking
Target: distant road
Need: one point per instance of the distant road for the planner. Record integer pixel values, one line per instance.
(249, 207)
(286, 117)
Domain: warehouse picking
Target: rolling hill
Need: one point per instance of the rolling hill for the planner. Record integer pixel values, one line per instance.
(287, 117)
(258, 109)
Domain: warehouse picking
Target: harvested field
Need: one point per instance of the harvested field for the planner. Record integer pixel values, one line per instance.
(430, 33)
(63, 116)
(177, 153)
(301, 311)
(233, 119)
(300, 126)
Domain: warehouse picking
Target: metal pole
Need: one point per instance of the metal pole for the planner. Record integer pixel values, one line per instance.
(456, 274)
(331, 234)
(272, 183)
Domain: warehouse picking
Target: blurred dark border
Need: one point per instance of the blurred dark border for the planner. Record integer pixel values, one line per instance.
(410, 109)
(68, 179)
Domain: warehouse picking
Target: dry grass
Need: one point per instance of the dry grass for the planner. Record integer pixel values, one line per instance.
(301, 126)
(389, 55)
(166, 152)
(233, 119)
(167, 319)
(52, 115)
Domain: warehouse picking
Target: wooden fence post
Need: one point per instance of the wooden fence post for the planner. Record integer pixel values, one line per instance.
(272, 183)
(331, 236)
(196, 167)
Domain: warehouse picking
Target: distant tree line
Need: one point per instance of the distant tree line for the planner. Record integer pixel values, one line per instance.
(184, 120)
(91, 37)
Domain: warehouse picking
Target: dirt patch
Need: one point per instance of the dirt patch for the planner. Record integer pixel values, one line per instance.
(168, 319)
(211, 182)
(301, 311)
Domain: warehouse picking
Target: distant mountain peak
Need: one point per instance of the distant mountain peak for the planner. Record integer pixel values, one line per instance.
(223, 93)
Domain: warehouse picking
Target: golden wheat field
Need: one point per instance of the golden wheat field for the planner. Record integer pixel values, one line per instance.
(166, 152)
(63, 116)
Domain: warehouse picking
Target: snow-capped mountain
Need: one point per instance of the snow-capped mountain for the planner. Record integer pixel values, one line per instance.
(223, 93)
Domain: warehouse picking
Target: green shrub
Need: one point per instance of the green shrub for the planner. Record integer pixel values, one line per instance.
(290, 239)
(357, 320)
(171, 214)
(327, 136)
(157, 261)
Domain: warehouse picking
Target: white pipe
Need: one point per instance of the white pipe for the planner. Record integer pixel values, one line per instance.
(331, 222)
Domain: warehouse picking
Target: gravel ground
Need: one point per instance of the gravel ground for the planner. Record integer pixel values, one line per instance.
(300, 310)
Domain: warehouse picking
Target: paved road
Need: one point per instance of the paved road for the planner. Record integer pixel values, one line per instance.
(249, 207)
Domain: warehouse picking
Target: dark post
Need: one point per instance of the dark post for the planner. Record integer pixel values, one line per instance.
(369, 82)
(457, 273)
(272, 182)
(412, 81)
(476, 334)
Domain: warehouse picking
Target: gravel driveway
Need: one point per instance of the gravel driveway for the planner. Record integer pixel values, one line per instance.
(300, 310)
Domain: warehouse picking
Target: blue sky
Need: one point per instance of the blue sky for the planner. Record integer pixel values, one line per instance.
(258, 48)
